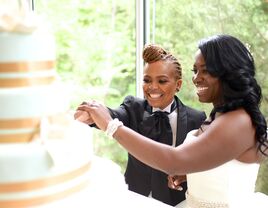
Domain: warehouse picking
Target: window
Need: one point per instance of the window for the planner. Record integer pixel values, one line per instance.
(95, 46)
(178, 25)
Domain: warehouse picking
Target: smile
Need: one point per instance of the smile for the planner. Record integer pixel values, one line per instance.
(201, 89)
(155, 95)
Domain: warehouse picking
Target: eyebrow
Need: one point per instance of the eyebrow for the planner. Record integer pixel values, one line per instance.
(160, 76)
(202, 66)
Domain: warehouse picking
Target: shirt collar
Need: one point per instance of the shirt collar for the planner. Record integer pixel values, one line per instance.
(166, 109)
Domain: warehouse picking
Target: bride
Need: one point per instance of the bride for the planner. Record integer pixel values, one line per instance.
(221, 158)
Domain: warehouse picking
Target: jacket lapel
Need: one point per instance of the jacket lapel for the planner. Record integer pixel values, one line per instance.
(181, 122)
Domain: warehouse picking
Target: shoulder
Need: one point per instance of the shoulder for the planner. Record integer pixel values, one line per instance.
(131, 108)
(235, 126)
(132, 100)
(134, 103)
(238, 117)
(190, 110)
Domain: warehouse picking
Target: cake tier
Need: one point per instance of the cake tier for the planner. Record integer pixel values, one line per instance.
(26, 59)
(29, 90)
(20, 47)
(46, 169)
(33, 102)
(23, 108)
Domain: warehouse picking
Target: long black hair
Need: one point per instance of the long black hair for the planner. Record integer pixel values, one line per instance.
(228, 59)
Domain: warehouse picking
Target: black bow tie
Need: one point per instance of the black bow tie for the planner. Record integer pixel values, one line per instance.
(157, 126)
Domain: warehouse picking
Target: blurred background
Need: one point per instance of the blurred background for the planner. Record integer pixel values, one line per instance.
(99, 43)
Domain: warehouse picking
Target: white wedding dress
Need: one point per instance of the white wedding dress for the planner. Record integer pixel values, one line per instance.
(230, 185)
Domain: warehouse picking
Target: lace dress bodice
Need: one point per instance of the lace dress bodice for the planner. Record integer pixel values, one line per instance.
(221, 187)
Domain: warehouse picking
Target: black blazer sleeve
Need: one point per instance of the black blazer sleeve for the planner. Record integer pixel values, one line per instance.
(130, 112)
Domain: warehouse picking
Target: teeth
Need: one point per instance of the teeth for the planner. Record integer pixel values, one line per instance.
(199, 89)
(155, 95)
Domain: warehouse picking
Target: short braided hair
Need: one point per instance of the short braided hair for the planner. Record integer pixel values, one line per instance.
(153, 53)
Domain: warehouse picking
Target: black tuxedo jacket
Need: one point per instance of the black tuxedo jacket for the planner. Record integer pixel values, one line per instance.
(141, 178)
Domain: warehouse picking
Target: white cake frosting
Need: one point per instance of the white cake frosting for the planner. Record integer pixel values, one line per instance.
(56, 165)
(29, 85)
(45, 155)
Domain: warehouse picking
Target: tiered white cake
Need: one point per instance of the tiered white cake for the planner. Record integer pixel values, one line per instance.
(45, 156)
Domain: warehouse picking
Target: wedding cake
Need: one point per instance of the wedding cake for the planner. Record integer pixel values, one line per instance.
(45, 156)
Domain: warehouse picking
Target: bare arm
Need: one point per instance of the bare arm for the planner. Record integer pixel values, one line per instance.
(229, 136)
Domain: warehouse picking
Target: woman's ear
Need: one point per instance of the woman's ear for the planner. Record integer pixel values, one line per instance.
(179, 83)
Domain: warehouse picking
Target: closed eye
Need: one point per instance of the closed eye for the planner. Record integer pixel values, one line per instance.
(162, 81)
(146, 81)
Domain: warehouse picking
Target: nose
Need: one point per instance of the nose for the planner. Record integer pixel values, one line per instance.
(153, 85)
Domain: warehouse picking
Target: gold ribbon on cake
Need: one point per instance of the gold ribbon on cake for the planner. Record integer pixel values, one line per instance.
(19, 123)
(26, 66)
(43, 183)
(25, 123)
(23, 67)
(23, 82)
(34, 127)
(17, 138)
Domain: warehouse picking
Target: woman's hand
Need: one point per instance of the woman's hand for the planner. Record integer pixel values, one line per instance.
(175, 181)
(82, 115)
(98, 113)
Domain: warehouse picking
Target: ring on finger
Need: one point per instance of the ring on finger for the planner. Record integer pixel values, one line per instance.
(93, 105)
(179, 188)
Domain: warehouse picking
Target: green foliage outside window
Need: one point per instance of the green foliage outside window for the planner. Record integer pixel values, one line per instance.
(262, 181)
(180, 24)
(96, 46)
